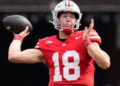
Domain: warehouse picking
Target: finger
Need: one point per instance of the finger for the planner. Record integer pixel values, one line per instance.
(92, 21)
(85, 28)
(14, 34)
(90, 27)
(27, 33)
(86, 32)
(26, 29)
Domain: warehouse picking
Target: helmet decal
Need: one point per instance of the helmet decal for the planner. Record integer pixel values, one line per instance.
(67, 3)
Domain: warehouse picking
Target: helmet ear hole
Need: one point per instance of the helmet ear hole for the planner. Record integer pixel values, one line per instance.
(76, 16)
(59, 13)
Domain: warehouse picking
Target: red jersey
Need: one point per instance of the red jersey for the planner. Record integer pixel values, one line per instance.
(68, 62)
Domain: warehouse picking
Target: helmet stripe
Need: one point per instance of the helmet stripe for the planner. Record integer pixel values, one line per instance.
(68, 3)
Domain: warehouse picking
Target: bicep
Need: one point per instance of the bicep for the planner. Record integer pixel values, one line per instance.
(29, 56)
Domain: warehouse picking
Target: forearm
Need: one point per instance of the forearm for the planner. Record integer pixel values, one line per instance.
(100, 57)
(27, 56)
(15, 48)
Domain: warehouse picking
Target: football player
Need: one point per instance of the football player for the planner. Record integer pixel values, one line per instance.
(70, 55)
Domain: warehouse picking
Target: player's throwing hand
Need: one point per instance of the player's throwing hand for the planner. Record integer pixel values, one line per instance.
(25, 32)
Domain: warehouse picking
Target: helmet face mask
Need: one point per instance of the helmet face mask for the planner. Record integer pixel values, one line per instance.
(66, 6)
(67, 19)
(67, 23)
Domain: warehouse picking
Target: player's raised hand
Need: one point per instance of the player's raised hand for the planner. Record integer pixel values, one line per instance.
(88, 30)
(24, 33)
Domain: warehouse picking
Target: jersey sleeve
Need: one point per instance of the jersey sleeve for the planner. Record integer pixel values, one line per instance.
(42, 46)
(38, 44)
(94, 37)
(41, 43)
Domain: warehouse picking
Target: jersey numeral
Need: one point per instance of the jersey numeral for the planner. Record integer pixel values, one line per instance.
(67, 66)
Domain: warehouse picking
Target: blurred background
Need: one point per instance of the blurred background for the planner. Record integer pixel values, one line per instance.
(106, 14)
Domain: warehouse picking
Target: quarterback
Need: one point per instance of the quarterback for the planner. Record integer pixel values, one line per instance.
(70, 55)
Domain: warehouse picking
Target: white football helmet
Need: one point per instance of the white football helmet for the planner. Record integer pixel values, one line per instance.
(66, 6)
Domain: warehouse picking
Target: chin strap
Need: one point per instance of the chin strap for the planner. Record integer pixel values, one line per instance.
(67, 30)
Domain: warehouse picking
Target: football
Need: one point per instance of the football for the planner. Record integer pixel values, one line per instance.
(17, 23)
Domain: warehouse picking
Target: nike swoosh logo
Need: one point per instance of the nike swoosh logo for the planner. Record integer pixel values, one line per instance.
(78, 37)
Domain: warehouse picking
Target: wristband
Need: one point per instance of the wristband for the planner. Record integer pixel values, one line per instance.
(87, 42)
(18, 37)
